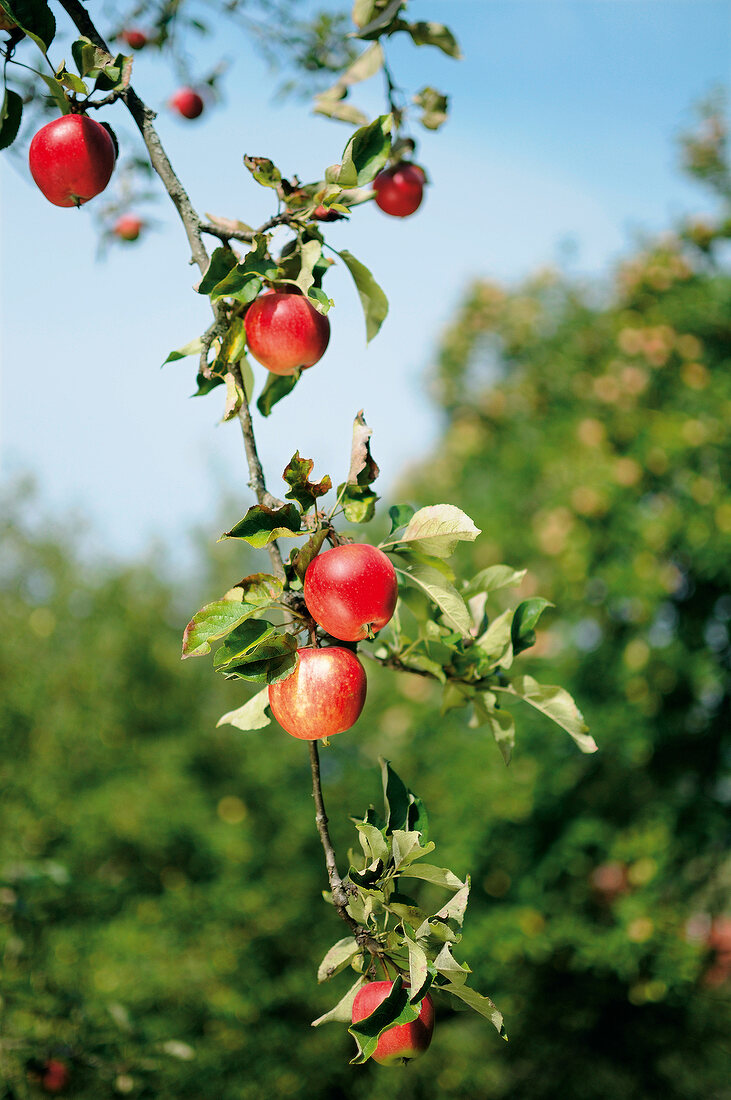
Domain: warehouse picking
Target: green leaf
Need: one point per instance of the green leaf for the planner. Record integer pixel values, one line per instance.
(242, 641)
(407, 847)
(526, 616)
(406, 909)
(440, 591)
(342, 1013)
(57, 91)
(264, 171)
(363, 468)
(383, 21)
(206, 383)
(34, 17)
(251, 716)
(305, 492)
(301, 558)
(358, 502)
(261, 525)
(492, 578)
(234, 342)
(437, 529)
(86, 55)
(259, 589)
(449, 968)
(434, 34)
(372, 842)
(501, 722)
(395, 798)
(234, 397)
(363, 12)
(310, 253)
(212, 622)
(366, 153)
(369, 876)
(71, 81)
(194, 347)
(434, 107)
(419, 977)
(400, 514)
(373, 300)
(438, 876)
(480, 1004)
(495, 642)
(272, 659)
(277, 386)
(556, 704)
(222, 261)
(454, 910)
(244, 281)
(10, 116)
(337, 958)
(331, 105)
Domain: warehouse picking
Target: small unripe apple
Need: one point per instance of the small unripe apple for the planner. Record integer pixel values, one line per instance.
(187, 103)
(399, 189)
(323, 696)
(128, 227)
(135, 39)
(71, 159)
(55, 1076)
(351, 590)
(284, 332)
(402, 1042)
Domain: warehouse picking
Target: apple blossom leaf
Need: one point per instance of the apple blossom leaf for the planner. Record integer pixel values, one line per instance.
(337, 958)
(393, 1010)
(479, 1003)
(438, 876)
(261, 525)
(492, 578)
(525, 619)
(437, 529)
(400, 514)
(434, 106)
(501, 722)
(372, 297)
(194, 347)
(34, 17)
(301, 558)
(10, 115)
(222, 261)
(241, 641)
(383, 21)
(260, 589)
(342, 1013)
(555, 703)
(366, 153)
(358, 502)
(301, 489)
(434, 34)
(448, 967)
(212, 622)
(264, 171)
(277, 386)
(419, 977)
(439, 590)
(251, 716)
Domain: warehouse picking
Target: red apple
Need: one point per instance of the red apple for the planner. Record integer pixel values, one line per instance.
(55, 1076)
(402, 1042)
(399, 189)
(135, 39)
(71, 159)
(285, 332)
(128, 227)
(187, 103)
(323, 696)
(351, 590)
(325, 214)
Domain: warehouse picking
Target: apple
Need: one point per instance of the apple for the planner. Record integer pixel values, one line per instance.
(128, 227)
(284, 331)
(325, 214)
(187, 103)
(399, 189)
(71, 159)
(55, 1076)
(323, 696)
(135, 39)
(402, 1042)
(351, 590)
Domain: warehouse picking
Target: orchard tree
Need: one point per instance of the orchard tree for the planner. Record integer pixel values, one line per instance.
(300, 633)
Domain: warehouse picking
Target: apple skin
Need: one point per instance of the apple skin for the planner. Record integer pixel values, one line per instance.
(128, 227)
(55, 1076)
(351, 590)
(285, 332)
(71, 159)
(402, 1042)
(135, 39)
(323, 696)
(324, 214)
(187, 103)
(399, 189)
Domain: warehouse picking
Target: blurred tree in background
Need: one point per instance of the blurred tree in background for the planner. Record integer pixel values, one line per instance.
(157, 930)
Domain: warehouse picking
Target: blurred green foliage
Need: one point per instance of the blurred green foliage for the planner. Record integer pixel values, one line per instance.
(160, 918)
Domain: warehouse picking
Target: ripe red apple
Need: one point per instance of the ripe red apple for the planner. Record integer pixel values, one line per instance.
(285, 332)
(351, 590)
(128, 227)
(71, 159)
(402, 1042)
(55, 1076)
(399, 189)
(323, 696)
(325, 214)
(187, 103)
(135, 39)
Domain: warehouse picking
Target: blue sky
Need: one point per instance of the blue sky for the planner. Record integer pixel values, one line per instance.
(563, 127)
